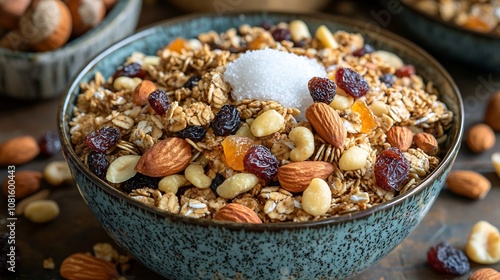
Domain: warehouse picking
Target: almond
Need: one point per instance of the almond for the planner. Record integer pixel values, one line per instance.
(22, 184)
(82, 266)
(400, 137)
(468, 183)
(166, 157)
(234, 212)
(427, 143)
(492, 114)
(18, 150)
(142, 92)
(485, 274)
(327, 123)
(295, 177)
(480, 138)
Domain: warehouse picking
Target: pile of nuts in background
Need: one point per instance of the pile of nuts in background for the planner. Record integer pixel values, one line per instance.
(46, 25)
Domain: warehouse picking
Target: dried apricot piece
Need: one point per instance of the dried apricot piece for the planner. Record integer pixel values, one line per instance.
(177, 45)
(235, 148)
(368, 121)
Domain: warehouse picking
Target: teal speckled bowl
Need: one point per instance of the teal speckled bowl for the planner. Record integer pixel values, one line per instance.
(178, 247)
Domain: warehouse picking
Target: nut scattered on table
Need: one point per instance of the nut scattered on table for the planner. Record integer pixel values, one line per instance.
(18, 150)
(492, 113)
(57, 173)
(480, 138)
(485, 274)
(82, 266)
(483, 244)
(41, 211)
(48, 263)
(41, 195)
(495, 160)
(470, 184)
(23, 184)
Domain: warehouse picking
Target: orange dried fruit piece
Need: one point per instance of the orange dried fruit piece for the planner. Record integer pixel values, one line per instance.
(177, 45)
(478, 24)
(368, 121)
(235, 149)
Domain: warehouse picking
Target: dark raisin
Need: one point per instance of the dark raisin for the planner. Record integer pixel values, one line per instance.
(227, 121)
(261, 162)
(192, 82)
(158, 100)
(267, 24)
(102, 139)
(8, 258)
(139, 181)
(387, 79)
(49, 144)
(405, 71)
(351, 82)
(132, 70)
(301, 44)
(322, 89)
(98, 163)
(391, 169)
(363, 50)
(216, 182)
(195, 133)
(281, 34)
(446, 259)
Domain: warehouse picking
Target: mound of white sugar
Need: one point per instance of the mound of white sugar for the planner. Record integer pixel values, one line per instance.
(274, 75)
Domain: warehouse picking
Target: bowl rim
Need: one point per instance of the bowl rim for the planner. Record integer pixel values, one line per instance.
(63, 119)
(73, 45)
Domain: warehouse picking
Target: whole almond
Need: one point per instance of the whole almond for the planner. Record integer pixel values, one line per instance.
(295, 177)
(327, 123)
(400, 137)
(18, 150)
(492, 114)
(480, 138)
(142, 92)
(166, 157)
(468, 183)
(485, 274)
(22, 184)
(427, 142)
(234, 212)
(81, 266)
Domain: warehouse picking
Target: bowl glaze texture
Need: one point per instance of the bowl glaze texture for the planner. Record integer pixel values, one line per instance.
(43, 75)
(178, 247)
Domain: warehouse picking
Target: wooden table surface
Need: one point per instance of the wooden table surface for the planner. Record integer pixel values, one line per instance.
(76, 229)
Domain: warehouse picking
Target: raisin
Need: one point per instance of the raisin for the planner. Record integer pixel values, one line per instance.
(227, 121)
(5, 249)
(267, 25)
(446, 259)
(363, 50)
(216, 182)
(195, 133)
(391, 169)
(405, 71)
(301, 44)
(139, 181)
(322, 89)
(158, 100)
(351, 82)
(387, 79)
(281, 34)
(192, 82)
(261, 162)
(102, 139)
(98, 163)
(49, 144)
(132, 70)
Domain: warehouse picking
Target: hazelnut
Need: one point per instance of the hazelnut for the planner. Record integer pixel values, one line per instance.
(480, 138)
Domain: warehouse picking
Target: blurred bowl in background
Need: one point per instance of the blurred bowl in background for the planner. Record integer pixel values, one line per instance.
(43, 75)
(223, 6)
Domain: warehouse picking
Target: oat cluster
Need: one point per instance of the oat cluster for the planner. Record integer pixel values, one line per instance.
(406, 101)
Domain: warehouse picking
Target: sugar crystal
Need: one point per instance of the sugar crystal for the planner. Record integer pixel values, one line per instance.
(274, 75)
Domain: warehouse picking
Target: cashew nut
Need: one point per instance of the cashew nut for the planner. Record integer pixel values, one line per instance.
(237, 184)
(172, 183)
(267, 123)
(303, 139)
(196, 175)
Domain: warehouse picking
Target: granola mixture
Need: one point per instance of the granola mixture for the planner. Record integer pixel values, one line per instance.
(191, 72)
(478, 15)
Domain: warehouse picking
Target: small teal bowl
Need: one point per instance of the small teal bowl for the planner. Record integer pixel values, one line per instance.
(43, 75)
(179, 247)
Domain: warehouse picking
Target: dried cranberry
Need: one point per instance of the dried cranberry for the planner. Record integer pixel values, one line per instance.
(322, 89)
(405, 71)
(281, 34)
(6, 244)
(446, 259)
(132, 70)
(192, 82)
(49, 144)
(139, 181)
(102, 139)
(98, 163)
(195, 133)
(363, 50)
(261, 162)
(351, 82)
(391, 169)
(226, 121)
(158, 100)
(387, 79)
(216, 182)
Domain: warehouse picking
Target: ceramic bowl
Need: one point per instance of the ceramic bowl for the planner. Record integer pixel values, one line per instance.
(34, 76)
(222, 7)
(178, 247)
